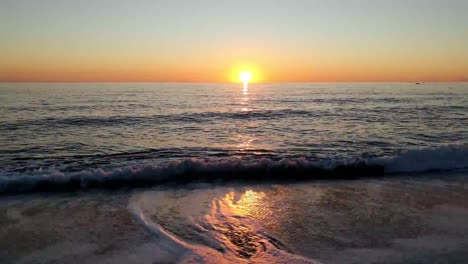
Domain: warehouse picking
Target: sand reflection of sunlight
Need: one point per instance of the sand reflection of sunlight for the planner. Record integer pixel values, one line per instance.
(247, 204)
(250, 203)
(232, 225)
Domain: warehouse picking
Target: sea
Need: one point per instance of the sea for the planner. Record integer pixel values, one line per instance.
(233, 173)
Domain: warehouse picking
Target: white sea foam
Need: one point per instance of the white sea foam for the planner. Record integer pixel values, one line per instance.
(444, 158)
(195, 253)
(429, 159)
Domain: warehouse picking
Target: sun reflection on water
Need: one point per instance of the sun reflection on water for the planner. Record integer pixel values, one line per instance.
(244, 101)
(249, 203)
(246, 88)
(246, 204)
(244, 143)
(232, 223)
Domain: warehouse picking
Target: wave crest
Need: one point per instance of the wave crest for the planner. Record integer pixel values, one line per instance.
(194, 170)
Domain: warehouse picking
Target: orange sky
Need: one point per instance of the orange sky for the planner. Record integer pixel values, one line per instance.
(175, 41)
(283, 71)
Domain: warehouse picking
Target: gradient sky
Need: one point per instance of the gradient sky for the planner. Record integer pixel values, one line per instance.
(208, 40)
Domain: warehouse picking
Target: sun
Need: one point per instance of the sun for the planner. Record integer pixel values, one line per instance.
(246, 73)
(245, 76)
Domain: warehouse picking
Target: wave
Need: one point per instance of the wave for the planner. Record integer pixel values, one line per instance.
(100, 121)
(210, 116)
(444, 158)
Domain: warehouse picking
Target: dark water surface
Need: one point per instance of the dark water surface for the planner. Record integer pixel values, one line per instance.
(83, 132)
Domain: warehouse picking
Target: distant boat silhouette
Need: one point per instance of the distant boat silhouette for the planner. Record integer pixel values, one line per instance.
(418, 83)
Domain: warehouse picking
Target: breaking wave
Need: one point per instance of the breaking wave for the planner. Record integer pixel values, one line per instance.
(444, 158)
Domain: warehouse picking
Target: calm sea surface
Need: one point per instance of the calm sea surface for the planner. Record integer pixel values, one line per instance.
(74, 127)
(162, 131)
(72, 136)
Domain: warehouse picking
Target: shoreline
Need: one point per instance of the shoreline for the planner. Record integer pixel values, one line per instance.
(101, 226)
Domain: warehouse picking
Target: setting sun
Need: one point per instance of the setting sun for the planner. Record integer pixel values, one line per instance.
(245, 76)
(246, 73)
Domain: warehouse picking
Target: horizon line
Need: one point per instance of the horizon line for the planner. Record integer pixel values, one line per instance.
(215, 82)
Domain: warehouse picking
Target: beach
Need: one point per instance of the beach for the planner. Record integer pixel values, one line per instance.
(219, 132)
(397, 220)
(217, 173)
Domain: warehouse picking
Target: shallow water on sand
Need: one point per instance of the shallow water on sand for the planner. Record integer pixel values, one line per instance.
(394, 220)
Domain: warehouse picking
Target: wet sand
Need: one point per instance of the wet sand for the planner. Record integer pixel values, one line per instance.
(401, 220)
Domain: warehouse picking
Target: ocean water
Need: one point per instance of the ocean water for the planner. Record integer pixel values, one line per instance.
(150, 133)
(213, 173)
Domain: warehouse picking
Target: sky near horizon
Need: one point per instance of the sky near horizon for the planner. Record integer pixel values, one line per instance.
(212, 40)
